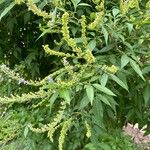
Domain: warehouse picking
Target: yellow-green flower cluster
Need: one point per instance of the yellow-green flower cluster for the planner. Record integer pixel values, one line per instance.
(3, 110)
(63, 133)
(52, 52)
(54, 125)
(66, 84)
(89, 56)
(9, 129)
(68, 67)
(11, 74)
(23, 98)
(97, 22)
(83, 25)
(99, 3)
(58, 83)
(65, 28)
(113, 69)
(96, 1)
(39, 130)
(99, 15)
(65, 31)
(57, 3)
(100, 6)
(134, 3)
(44, 81)
(18, 1)
(126, 5)
(51, 127)
(88, 128)
(37, 11)
(72, 43)
(148, 4)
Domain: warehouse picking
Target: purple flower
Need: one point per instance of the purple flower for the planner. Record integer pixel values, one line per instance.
(137, 135)
(50, 79)
(22, 81)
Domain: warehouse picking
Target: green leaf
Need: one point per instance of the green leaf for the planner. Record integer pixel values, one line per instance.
(26, 130)
(121, 37)
(112, 102)
(94, 78)
(130, 27)
(43, 33)
(104, 99)
(75, 3)
(103, 89)
(84, 4)
(43, 4)
(2, 1)
(124, 60)
(90, 93)
(65, 94)
(117, 80)
(146, 94)
(107, 48)
(7, 9)
(128, 45)
(146, 70)
(136, 68)
(98, 112)
(78, 88)
(104, 79)
(115, 12)
(105, 146)
(84, 102)
(105, 35)
(52, 99)
(92, 44)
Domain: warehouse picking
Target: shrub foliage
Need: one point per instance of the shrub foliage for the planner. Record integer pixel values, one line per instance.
(72, 72)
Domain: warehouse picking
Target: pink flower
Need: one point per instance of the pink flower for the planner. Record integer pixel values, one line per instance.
(137, 135)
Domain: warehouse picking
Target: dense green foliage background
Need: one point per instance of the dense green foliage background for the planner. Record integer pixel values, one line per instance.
(98, 97)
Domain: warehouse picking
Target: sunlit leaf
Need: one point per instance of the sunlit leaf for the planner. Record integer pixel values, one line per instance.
(84, 102)
(104, 99)
(105, 35)
(115, 12)
(7, 9)
(52, 99)
(103, 89)
(136, 68)
(104, 79)
(98, 112)
(124, 60)
(75, 3)
(130, 27)
(66, 95)
(118, 81)
(26, 130)
(92, 44)
(90, 93)
(84, 4)
(146, 94)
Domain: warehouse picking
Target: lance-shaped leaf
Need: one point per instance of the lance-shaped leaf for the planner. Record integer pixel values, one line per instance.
(124, 60)
(90, 93)
(7, 9)
(118, 81)
(136, 68)
(103, 89)
(104, 79)
(65, 94)
(104, 99)
(146, 94)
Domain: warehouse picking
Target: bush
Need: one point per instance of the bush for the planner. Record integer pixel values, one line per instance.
(72, 72)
